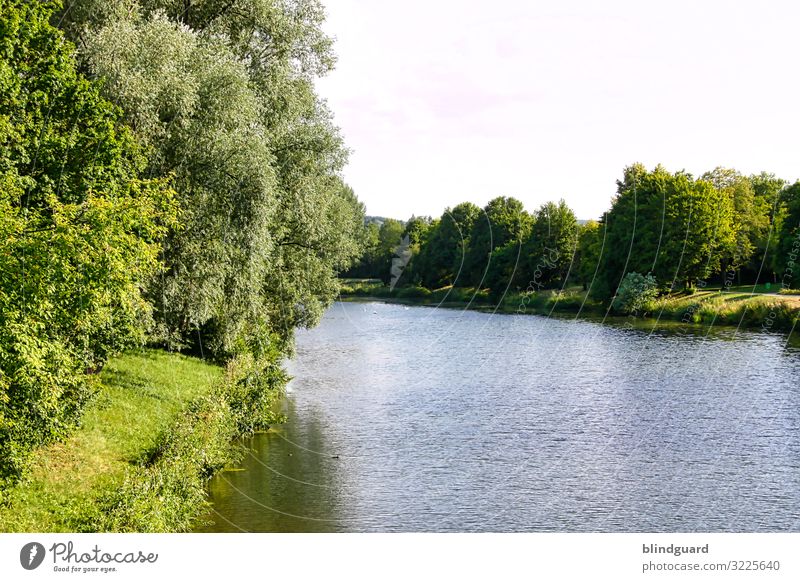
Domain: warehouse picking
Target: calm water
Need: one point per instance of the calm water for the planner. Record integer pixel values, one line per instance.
(421, 419)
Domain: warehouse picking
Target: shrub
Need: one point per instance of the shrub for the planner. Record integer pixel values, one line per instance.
(79, 235)
(167, 491)
(634, 292)
(566, 301)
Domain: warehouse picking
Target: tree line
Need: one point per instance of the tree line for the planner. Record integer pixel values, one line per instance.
(168, 176)
(677, 231)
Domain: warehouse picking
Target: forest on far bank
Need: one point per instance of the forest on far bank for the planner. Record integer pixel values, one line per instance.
(667, 231)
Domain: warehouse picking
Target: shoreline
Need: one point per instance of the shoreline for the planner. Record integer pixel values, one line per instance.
(160, 426)
(765, 312)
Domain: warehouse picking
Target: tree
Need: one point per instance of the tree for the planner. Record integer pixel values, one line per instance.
(80, 234)
(788, 248)
(667, 225)
(751, 220)
(503, 221)
(390, 239)
(699, 231)
(619, 226)
(590, 244)
(769, 201)
(417, 229)
(191, 103)
(551, 247)
(370, 240)
(415, 236)
(502, 272)
(441, 258)
(223, 95)
(635, 292)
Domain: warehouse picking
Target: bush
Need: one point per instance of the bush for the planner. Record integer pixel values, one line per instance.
(635, 292)
(567, 301)
(167, 491)
(79, 235)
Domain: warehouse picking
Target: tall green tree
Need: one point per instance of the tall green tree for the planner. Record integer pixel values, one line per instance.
(788, 247)
(667, 225)
(590, 245)
(551, 247)
(441, 259)
(390, 242)
(222, 92)
(415, 235)
(417, 229)
(503, 221)
(751, 222)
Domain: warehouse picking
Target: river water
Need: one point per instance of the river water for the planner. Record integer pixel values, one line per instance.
(422, 419)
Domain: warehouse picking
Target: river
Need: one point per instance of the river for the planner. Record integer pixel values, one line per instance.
(423, 419)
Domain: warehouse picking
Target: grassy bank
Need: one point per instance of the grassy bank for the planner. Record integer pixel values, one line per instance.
(746, 310)
(742, 307)
(160, 425)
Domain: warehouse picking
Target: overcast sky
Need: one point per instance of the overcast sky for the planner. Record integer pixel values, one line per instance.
(444, 101)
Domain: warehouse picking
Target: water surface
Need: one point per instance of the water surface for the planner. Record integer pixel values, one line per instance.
(421, 419)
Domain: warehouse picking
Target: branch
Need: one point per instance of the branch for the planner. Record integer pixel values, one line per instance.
(217, 14)
(293, 243)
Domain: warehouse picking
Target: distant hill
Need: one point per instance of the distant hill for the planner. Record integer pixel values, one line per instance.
(379, 220)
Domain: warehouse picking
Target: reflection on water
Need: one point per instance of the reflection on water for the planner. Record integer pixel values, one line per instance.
(420, 419)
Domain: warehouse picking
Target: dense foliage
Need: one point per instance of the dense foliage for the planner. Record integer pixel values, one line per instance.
(222, 93)
(171, 177)
(670, 225)
(664, 232)
(634, 293)
(79, 234)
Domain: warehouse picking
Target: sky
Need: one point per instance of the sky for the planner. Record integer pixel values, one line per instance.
(446, 101)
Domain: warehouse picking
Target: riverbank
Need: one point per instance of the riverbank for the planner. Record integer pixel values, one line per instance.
(711, 307)
(159, 427)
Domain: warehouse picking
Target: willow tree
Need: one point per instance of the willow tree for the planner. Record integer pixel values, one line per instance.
(222, 92)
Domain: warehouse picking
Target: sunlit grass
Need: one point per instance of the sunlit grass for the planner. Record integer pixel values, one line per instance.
(141, 394)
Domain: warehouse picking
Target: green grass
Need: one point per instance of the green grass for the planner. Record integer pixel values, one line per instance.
(739, 309)
(141, 395)
(760, 288)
